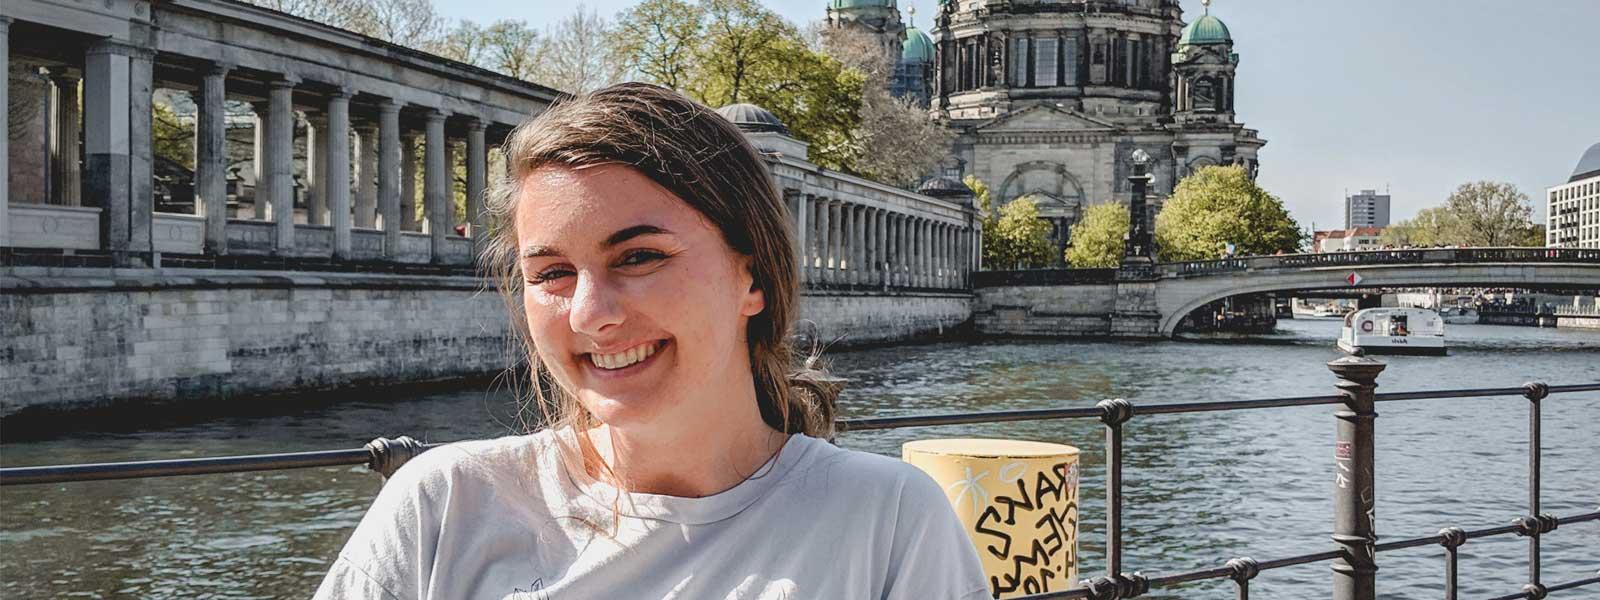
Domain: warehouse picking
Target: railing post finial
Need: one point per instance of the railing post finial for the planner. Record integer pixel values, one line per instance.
(388, 454)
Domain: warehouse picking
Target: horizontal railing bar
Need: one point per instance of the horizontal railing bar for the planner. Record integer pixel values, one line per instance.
(183, 466)
(1221, 572)
(1567, 585)
(270, 462)
(1004, 416)
(1479, 533)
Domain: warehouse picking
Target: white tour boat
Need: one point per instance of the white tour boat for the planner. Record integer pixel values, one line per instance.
(1393, 331)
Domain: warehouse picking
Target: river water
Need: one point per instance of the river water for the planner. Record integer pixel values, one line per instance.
(1201, 487)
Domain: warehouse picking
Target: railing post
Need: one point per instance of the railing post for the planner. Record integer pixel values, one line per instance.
(1534, 392)
(1451, 538)
(1354, 493)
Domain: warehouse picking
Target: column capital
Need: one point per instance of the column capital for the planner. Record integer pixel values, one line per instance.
(285, 80)
(342, 92)
(219, 68)
(111, 46)
(434, 114)
(476, 124)
(389, 105)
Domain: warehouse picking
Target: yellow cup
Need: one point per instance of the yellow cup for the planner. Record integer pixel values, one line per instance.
(1018, 500)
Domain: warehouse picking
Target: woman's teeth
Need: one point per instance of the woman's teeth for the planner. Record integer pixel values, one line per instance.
(624, 358)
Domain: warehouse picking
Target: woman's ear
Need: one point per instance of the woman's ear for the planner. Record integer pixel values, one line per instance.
(754, 300)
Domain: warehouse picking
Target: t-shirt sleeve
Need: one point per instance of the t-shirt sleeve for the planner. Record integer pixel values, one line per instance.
(347, 581)
(390, 555)
(932, 558)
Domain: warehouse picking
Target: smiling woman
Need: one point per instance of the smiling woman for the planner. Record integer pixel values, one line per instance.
(648, 265)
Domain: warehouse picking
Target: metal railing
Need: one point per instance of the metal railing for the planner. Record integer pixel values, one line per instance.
(1383, 257)
(1353, 560)
(1410, 256)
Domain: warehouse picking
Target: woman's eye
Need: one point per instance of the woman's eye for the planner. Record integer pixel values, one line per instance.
(548, 275)
(639, 257)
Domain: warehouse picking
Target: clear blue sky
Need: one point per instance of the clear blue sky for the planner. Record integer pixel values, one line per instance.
(1414, 95)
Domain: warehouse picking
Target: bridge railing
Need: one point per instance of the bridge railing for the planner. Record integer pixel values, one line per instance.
(1382, 257)
(1353, 559)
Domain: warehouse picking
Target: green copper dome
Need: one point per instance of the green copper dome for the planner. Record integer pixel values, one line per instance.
(1206, 30)
(847, 4)
(918, 47)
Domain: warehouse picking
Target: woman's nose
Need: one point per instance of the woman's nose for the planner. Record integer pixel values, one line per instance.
(595, 306)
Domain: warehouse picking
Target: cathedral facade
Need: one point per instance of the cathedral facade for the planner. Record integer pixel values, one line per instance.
(1050, 98)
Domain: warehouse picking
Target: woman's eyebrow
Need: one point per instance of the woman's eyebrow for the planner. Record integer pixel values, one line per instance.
(619, 237)
(629, 233)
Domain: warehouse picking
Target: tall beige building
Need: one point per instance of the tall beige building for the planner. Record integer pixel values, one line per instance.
(1573, 216)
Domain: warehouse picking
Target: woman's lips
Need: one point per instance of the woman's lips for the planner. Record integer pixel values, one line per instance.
(626, 361)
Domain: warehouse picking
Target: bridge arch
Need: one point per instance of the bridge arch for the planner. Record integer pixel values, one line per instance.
(1179, 295)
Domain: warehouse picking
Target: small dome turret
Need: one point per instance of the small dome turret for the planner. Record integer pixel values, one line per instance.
(1206, 30)
(752, 118)
(918, 47)
(945, 187)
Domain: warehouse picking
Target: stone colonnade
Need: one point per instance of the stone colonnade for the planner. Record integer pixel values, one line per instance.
(844, 245)
(367, 135)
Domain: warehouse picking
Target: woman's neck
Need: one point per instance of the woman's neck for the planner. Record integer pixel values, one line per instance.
(689, 462)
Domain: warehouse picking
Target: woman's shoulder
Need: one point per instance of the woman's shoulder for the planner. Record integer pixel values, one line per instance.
(468, 468)
(867, 473)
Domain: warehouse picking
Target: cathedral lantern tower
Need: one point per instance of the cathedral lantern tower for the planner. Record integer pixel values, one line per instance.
(1204, 66)
(879, 19)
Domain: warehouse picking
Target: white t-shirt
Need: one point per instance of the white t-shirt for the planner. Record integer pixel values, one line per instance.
(502, 519)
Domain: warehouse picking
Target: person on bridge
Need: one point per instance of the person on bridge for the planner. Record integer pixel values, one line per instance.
(650, 271)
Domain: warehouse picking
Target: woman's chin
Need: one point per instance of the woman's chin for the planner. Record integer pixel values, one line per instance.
(623, 410)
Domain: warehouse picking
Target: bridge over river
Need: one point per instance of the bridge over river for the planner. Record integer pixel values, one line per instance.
(1153, 300)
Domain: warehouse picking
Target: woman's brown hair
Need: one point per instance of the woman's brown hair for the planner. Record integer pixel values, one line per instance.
(704, 160)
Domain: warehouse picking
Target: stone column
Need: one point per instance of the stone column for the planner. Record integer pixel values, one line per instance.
(105, 116)
(261, 196)
(802, 237)
(882, 246)
(449, 213)
(141, 148)
(936, 257)
(336, 185)
(389, 157)
(477, 183)
(858, 240)
(316, 169)
(869, 266)
(279, 160)
(922, 253)
(211, 156)
(5, 131)
(408, 182)
(435, 184)
(824, 239)
(366, 191)
(819, 237)
(899, 241)
(844, 262)
(67, 179)
(836, 240)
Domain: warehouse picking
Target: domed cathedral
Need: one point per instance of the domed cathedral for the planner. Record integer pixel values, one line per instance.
(875, 18)
(913, 75)
(1050, 98)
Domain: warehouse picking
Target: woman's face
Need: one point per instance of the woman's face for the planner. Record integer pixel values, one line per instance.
(635, 302)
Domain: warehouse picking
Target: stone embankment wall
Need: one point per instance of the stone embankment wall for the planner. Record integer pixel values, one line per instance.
(1124, 310)
(86, 338)
(1578, 322)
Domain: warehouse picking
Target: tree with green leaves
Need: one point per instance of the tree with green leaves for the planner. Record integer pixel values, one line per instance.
(656, 40)
(1490, 213)
(1014, 237)
(1431, 227)
(1481, 213)
(1097, 239)
(1216, 206)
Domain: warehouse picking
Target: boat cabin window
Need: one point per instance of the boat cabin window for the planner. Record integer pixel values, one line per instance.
(1397, 325)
